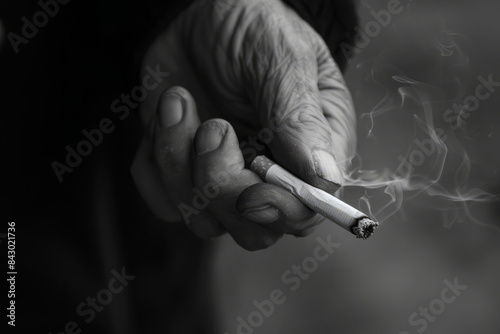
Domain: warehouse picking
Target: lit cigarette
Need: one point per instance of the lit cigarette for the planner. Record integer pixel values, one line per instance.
(316, 199)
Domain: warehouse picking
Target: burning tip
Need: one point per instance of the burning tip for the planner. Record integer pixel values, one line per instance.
(364, 228)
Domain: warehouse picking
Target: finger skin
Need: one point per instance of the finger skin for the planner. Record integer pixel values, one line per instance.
(296, 217)
(162, 173)
(220, 174)
(260, 68)
(281, 68)
(337, 106)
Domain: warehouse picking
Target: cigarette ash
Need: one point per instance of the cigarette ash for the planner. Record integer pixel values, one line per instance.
(364, 228)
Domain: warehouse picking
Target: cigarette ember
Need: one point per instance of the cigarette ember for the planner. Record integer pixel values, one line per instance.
(316, 199)
(364, 228)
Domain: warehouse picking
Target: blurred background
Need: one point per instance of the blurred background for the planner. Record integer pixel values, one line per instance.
(440, 225)
(374, 286)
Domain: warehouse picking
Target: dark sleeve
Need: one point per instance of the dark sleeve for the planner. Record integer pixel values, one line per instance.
(334, 20)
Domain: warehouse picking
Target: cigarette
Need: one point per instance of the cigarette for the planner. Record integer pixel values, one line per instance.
(316, 199)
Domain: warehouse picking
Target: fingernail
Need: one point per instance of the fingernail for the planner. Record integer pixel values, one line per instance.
(263, 215)
(326, 167)
(208, 138)
(170, 110)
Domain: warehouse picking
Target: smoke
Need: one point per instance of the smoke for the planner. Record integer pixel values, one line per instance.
(423, 157)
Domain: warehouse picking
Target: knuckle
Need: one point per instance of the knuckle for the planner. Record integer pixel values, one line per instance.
(306, 126)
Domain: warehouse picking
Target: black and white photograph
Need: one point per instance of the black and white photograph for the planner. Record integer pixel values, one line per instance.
(250, 166)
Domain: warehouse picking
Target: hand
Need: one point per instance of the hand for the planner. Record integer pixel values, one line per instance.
(254, 68)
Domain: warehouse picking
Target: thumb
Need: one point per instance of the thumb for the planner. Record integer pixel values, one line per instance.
(284, 77)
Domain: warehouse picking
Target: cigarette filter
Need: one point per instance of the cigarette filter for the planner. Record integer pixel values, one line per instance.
(316, 199)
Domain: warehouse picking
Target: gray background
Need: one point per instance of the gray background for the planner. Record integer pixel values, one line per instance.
(373, 286)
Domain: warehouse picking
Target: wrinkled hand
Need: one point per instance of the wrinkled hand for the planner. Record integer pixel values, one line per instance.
(255, 70)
